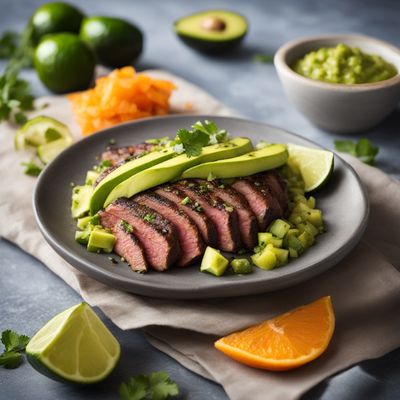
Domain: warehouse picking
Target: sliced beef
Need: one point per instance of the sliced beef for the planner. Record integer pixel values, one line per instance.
(106, 172)
(156, 234)
(262, 202)
(117, 154)
(127, 244)
(195, 213)
(248, 225)
(191, 242)
(278, 186)
(222, 215)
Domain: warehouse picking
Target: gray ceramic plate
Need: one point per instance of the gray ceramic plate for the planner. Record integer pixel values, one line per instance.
(343, 201)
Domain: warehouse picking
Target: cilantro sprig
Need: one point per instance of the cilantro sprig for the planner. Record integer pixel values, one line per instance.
(201, 134)
(157, 386)
(14, 345)
(363, 149)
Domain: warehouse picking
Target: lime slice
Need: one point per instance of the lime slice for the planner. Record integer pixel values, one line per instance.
(47, 152)
(74, 346)
(315, 165)
(39, 131)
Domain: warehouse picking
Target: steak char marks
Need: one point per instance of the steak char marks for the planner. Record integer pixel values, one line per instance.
(191, 242)
(223, 216)
(195, 213)
(127, 244)
(117, 154)
(156, 234)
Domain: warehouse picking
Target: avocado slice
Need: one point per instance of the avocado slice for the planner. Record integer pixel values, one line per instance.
(172, 169)
(269, 157)
(212, 31)
(125, 171)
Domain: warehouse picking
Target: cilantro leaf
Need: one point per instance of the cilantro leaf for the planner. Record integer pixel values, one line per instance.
(192, 141)
(363, 149)
(13, 341)
(157, 386)
(210, 128)
(14, 344)
(11, 359)
(31, 168)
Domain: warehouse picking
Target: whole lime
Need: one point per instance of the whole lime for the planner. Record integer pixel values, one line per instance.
(115, 41)
(55, 18)
(64, 63)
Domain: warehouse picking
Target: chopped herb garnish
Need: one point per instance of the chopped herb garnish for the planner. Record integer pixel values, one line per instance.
(149, 217)
(185, 201)
(105, 164)
(14, 345)
(263, 58)
(210, 128)
(228, 208)
(157, 386)
(31, 168)
(128, 228)
(363, 149)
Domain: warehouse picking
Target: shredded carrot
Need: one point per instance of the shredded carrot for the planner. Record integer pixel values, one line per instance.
(121, 96)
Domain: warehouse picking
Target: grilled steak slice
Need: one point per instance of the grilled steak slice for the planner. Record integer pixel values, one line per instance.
(278, 187)
(203, 223)
(261, 200)
(248, 225)
(127, 244)
(222, 215)
(156, 234)
(117, 154)
(106, 172)
(191, 242)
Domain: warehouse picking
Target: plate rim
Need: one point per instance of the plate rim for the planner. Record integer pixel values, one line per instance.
(119, 282)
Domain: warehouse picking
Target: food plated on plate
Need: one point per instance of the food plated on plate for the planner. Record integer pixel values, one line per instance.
(171, 202)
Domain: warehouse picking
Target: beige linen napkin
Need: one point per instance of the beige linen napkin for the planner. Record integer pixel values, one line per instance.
(365, 286)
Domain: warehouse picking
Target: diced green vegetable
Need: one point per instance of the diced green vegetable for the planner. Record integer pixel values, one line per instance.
(306, 239)
(310, 228)
(241, 266)
(81, 200)
(293, 253)
(295, 244)
(91, 177)
(266, 259)
(100, 239)
(213, 262)
(83, 222)
(282, 256)
(265, 238)
(279, 228)
(82, 237)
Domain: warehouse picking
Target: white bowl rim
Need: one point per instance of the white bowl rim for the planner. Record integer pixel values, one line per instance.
(280, 63)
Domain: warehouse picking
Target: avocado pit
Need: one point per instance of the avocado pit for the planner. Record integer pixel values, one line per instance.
(213, 24)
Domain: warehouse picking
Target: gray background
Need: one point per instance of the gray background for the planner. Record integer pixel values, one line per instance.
(30, 294)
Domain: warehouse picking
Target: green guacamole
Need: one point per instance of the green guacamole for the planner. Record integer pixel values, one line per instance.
(343, 64)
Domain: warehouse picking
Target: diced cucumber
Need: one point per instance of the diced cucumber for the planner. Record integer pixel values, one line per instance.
(279, 228)
(83, 222)
(310, 228)
(293, 232)
(306, 239)
(295, 244)
(241, 266)
(91, 177)
(293, 253)
(101, 239)
(81, 200)
(311, 202)
(266, 259)
(213, 262)
(82, 237)
(281, 255)
(265, 238)
(315, 217)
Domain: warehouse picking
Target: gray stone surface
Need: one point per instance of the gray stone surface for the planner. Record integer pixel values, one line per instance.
(30, 294)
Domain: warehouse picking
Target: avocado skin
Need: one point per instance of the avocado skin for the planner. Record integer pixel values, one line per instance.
(211, 47)
(116, 42)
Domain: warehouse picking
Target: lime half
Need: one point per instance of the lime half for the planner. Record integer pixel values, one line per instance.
(75, 346)
(315, 165)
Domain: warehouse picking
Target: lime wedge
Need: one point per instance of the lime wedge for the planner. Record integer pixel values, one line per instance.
(39, 131)
(47, 152)
(74, 346)
(315, 165)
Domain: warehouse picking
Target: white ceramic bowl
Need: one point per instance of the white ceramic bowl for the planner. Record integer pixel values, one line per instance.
(338, 107)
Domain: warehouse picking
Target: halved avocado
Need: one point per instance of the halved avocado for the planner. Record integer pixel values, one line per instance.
(212, 31)
(173, 168)
(269, 157)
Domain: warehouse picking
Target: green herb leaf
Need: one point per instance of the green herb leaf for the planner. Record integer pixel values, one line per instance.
(31, 168)
(211, 129)
(263, 58)
(363, 149)
(11, 359)
(8, 44)
(185, 201)
(14, 344)
(157, 386)
(149, 217)
(192, 141)
(128, 228)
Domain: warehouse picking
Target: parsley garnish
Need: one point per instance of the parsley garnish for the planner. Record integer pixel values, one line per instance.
(263, 58)
(14, 345)
(128, 228)
(185, 201)
(149, 217)
(157, 386)
(363, 149)
(31, 168)
(202, 134)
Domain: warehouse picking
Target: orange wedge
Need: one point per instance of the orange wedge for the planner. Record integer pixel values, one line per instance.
(284, 342)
